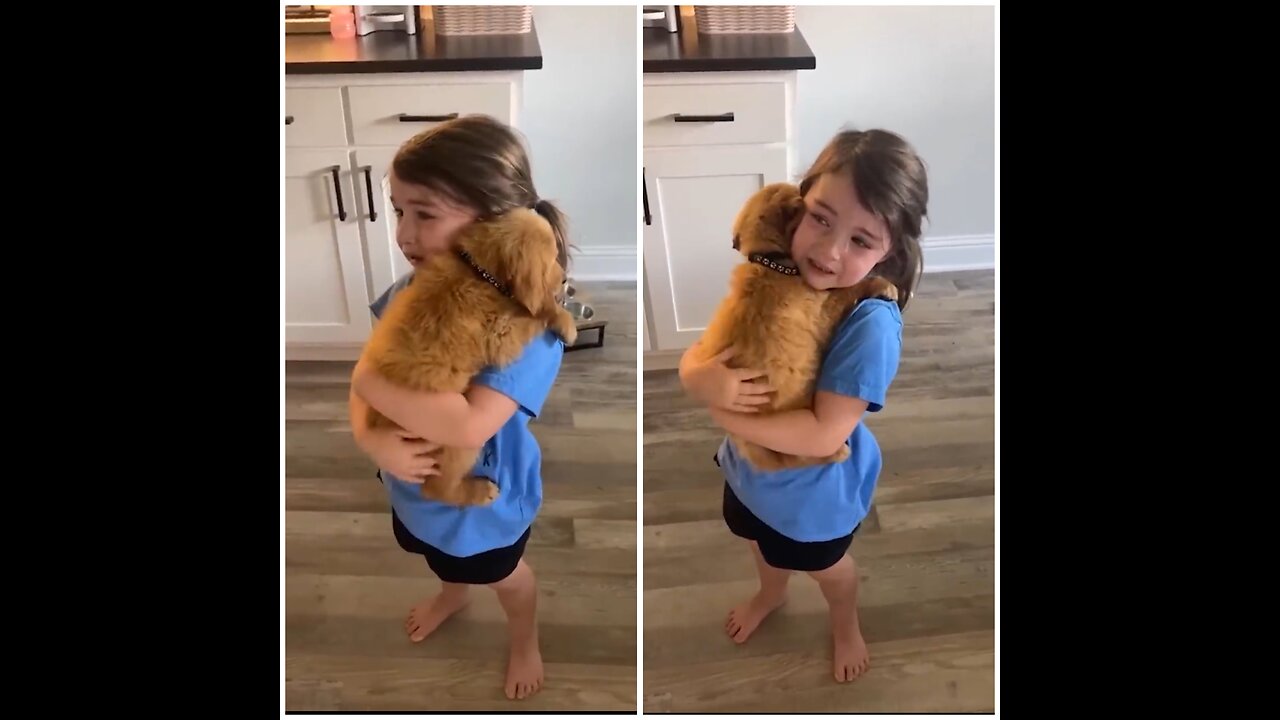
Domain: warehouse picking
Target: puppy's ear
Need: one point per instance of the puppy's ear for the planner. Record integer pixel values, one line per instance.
(536, 276)
(793, 211)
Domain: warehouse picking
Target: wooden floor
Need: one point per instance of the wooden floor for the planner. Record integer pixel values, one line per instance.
(925, 554)
(349, 586)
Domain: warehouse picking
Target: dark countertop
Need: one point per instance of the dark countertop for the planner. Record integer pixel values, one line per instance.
(386, 52)
(666, 52)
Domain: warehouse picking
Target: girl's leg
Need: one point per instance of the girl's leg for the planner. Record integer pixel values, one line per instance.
(518, 594)
(427, 615)
(745, 618)
(839, 585)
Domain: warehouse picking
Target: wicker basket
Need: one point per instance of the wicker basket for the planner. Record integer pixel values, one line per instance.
(482, 19)
(729, 19)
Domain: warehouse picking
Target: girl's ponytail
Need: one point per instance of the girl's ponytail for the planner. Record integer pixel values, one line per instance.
(560, 225)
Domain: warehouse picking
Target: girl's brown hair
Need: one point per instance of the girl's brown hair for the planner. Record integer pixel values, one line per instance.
(481, 163)
(892, 183)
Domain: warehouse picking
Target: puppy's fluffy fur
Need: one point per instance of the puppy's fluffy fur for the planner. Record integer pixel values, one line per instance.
(777, 323)
(449, 323)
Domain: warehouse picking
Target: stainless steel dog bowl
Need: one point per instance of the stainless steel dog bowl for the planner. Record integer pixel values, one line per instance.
(579, 311)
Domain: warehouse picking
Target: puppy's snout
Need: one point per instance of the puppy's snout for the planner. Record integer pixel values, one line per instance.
(735, 242)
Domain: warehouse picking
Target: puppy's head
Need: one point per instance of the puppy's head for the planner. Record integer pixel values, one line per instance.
(767, 220)
(519, 248)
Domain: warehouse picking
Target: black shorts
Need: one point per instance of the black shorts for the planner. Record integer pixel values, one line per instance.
(482, 569)
(779, 550)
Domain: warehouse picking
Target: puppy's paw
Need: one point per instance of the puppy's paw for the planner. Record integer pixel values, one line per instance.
(759, 457)
(881, 288)
(481, 491)
(565, 326)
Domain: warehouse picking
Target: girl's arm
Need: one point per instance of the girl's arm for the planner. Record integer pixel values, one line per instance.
(715, 385)
(855, 377)
(455, 419)
(358, 414)
(813, 433)
(468, 419)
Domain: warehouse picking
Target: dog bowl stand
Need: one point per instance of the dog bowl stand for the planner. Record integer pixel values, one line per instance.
(598, 326)
(584, 318)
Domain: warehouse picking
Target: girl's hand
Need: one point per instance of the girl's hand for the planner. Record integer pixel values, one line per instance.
(403, 455)
(716, 385)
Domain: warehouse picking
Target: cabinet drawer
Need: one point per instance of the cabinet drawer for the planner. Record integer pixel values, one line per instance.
(758, 112)
(318, 120)
(376, 111)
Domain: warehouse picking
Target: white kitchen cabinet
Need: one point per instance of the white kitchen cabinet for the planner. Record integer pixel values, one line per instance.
(645, 312)
(694, 195)
(386, 263)
(710, 141)
(325, 296)
(335, 265)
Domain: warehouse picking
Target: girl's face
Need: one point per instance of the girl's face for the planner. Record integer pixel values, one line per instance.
(427, 221)
(838, 241)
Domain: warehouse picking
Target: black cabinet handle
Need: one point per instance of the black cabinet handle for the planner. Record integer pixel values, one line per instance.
(644, 184)
(288, 119)
(427, 118)
(725, 117)
(368, 186)
(337, 190)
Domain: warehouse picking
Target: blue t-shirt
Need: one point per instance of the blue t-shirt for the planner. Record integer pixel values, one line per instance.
(511, 457)
(824, 502)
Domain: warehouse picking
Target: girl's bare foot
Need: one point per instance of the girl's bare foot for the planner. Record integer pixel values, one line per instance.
(427, 615)
(518, 593)
(524, 669)
(744, 619)
(851, 656)
(839, 584)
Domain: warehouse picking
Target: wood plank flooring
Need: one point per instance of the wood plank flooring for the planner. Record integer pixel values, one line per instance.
(349, 586)
(926, 553)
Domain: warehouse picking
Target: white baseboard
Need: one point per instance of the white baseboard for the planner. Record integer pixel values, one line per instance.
(603, 262)
(959, 252)
(342, 351)
(662, 359)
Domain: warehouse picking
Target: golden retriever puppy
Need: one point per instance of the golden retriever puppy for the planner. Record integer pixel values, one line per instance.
(776, 322)
(476, 306)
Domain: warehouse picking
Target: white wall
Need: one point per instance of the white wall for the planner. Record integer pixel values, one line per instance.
(927, 73)
(580, 120)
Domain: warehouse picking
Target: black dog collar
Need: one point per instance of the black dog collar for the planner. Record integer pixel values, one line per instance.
(484, 274)
(771, 261)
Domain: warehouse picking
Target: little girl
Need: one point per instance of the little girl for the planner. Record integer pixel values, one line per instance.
(865, 197)
(472, 168)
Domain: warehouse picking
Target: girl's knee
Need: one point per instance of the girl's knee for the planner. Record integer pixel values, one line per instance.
(519, 578)
(842, 570)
